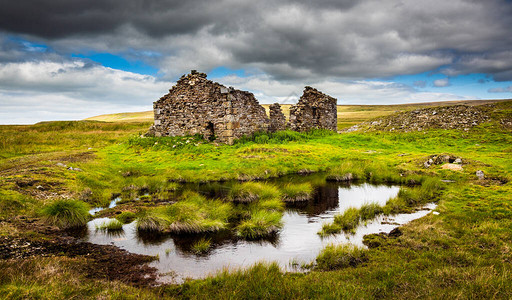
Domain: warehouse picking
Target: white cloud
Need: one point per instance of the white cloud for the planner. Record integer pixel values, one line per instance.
(442, 82)
(40, 91)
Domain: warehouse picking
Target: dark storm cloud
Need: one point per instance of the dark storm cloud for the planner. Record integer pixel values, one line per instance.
(286, 39)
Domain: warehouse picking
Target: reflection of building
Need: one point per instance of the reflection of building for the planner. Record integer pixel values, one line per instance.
(325, 198)
(196, 105)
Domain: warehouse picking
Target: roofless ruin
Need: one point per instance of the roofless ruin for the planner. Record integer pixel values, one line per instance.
(196, 105)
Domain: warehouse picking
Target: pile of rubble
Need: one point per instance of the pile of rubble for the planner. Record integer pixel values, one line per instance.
(444, 117)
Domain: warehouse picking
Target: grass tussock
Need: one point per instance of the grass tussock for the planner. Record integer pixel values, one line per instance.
(192, 214)
(152, 221)
(65, 213)
(340, 256)
(297, 192)
(110, 226)
(252, 191)
(202, 246)
(126, 217)
(261, 224)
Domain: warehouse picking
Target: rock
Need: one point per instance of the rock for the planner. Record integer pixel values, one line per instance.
(480, 174)
(74, 169)
(457, 161)
(61, 165)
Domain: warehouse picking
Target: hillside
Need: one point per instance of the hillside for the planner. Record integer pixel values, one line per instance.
(348, 115)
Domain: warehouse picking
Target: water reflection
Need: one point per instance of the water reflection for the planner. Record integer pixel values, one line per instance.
(297, 240)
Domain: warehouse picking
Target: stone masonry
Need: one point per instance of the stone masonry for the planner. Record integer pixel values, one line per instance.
(314, 110)
(196, 105)
(277, 118)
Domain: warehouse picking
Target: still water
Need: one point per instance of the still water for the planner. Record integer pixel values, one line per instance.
(297, 241)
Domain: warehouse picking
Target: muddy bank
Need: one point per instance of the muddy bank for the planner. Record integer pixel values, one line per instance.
(103, 261)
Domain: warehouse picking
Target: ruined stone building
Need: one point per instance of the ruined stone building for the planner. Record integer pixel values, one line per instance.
(196, 105)
(314, 110)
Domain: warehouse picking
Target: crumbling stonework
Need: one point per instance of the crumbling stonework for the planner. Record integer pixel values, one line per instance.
(314, 110)
(277, 118)
(196, 105)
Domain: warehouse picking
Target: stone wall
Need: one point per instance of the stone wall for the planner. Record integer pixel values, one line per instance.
(314, 110)
(277, 118)
(196, 105)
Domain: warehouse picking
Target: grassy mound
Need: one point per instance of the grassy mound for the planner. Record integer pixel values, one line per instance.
(65, 213)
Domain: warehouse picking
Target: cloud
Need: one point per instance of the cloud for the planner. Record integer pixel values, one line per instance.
(501, 90)
(268, 90)
(286, 39)
(46, 90)
(442, 82)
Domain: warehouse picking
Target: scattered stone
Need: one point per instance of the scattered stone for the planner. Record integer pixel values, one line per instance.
(435, 213)
(61, 165)
(480, 174)
(457, 161)
(74, 169)
(445, 117)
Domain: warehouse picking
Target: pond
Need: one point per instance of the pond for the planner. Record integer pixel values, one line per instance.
(296, 243)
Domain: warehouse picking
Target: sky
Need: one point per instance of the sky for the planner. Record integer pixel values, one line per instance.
(73, 59)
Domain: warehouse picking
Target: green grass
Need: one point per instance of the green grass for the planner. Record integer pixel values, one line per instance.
(464, 252)
(65, 213)
(126, 217)
(110, 226)
(297, 192)
(202, 246)
(252, 191)
(340, 256)
(192, 214)
(260, 224)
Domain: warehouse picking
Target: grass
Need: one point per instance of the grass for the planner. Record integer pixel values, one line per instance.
(252, 191)
(192, 214)
(202, 246)
(65, 213)
(340, 256)
(110, 226)
(261, 224)
(464, 252)
(126, 217)
(297, 192)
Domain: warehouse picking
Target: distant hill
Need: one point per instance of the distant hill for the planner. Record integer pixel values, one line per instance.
(348, 115)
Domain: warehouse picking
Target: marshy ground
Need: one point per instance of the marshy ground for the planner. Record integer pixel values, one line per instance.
(462, 251)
